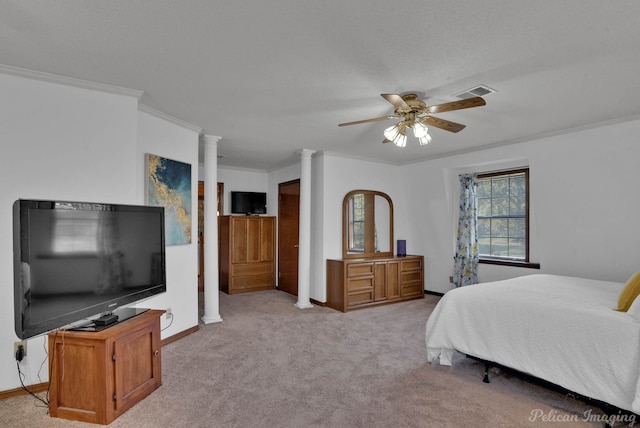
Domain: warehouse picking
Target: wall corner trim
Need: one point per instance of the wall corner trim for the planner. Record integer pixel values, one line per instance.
(146, 109)
(69, 81)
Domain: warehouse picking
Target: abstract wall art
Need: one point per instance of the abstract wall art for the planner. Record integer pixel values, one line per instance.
(169, 186)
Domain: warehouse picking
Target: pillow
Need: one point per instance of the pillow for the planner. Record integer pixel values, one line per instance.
(629, 292)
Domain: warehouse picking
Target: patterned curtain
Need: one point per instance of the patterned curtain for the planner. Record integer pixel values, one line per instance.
(466, 258)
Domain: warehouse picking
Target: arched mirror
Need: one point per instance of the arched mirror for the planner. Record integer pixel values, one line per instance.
(367, 224)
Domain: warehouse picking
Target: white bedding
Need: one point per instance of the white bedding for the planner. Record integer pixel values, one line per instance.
(560, 329)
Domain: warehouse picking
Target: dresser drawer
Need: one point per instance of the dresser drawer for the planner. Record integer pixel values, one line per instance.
(413, 264)
(411, 289)
(411, 276)
(359, 269)
(253, 281)
(359, 298)
(244, 269)
(354, 284)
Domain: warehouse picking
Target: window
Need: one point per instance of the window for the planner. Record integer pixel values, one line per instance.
(503, 217)
(356, 223)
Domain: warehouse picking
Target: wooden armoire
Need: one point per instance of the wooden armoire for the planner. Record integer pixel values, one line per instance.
(247, 253)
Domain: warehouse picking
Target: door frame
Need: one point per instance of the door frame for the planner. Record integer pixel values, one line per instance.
(281, 244)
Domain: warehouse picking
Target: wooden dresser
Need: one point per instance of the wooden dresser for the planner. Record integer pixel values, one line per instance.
(247, 253)
(97, 376)
(360, 283)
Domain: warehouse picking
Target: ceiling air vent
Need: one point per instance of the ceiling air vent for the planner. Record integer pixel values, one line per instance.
(477, 91)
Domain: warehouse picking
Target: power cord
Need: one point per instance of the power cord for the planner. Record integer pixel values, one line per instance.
(170, 322)
(21, 376)
(44, 360)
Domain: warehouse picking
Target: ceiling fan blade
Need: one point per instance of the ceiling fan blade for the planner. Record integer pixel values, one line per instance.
(447, 125)
(396, 100)
(375, 119)
(456, 105)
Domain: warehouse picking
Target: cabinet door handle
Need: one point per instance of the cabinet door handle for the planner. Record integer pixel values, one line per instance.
(295, 246)
(155, 353)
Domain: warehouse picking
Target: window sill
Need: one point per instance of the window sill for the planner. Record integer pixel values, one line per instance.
(513, 263)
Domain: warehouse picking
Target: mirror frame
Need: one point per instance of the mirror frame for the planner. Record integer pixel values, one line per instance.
(369, 224)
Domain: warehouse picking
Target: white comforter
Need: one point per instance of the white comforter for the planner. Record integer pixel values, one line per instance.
(560, 329)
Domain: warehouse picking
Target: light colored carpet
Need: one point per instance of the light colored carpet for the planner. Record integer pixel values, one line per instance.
(269, 364)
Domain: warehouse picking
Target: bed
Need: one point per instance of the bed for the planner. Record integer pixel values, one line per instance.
(564, 330)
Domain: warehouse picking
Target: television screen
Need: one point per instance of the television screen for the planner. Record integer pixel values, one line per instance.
(75, 260)
(249, 203)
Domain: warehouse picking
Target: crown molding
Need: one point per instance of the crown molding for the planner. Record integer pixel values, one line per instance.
(356, 157)
(161, 115)
(541, 136)
(240, 168)
(69, 81)
(85, 84)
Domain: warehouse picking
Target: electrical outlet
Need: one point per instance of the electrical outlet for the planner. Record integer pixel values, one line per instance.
(16, 345)
(451, 279)
(167, 313)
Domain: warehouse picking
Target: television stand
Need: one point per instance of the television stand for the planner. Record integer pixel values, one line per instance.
(98, 375)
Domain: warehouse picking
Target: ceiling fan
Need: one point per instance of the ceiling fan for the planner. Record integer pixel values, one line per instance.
(417, 115)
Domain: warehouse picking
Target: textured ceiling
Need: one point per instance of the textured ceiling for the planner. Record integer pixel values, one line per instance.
(273, 77)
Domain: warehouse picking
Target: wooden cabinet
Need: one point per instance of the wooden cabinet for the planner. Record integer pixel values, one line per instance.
(96, 376)
(247, 253)
(360, 283)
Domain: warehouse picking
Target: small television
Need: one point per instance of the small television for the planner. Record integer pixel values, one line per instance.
(249, 203)
(77, 260)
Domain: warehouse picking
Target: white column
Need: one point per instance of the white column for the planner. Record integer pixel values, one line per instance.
(211, 286)
(304, 240)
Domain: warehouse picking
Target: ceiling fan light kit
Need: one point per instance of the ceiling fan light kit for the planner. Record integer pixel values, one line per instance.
(421, 132)
(396, 134)
(416, 114)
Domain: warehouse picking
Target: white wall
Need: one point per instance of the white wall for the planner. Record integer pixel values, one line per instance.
(65, 142)
(332, 177)
(159, 137)
(340, 176)
(583, 189)
(256, 181)
(275, 178)
(59, 142)
(343, 175)
(244, 180)
(282, 175)
(582, 200)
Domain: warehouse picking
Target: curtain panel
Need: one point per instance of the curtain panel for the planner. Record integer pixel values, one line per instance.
(466, 258)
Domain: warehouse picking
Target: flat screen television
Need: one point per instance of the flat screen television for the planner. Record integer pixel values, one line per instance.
(77, 260)
(249, 203)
